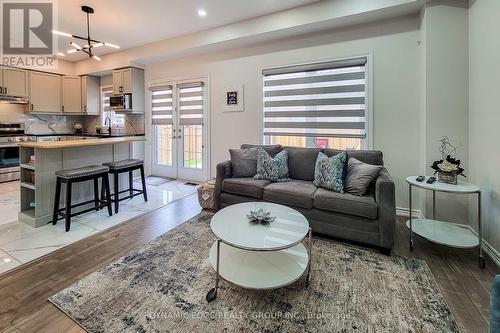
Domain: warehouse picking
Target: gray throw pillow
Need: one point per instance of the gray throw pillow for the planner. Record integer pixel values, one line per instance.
(360, 175)
(244, 162)
(273, 169)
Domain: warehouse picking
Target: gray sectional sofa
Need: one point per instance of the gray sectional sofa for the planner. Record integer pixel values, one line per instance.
(368, 219)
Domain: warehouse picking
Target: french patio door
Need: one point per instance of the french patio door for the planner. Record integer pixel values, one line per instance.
(179, 112)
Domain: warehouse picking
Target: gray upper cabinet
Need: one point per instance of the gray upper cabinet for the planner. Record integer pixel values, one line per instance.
(130, 81)
(44, 92)
(14, 82)
(72, 94)
(123, 80)
(90, 95)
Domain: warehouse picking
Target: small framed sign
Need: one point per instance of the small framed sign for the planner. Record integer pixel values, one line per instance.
(234, 99)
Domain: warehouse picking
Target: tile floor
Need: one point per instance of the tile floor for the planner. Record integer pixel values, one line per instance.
(20, 243)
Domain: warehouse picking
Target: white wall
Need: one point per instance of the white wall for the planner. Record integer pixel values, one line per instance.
(396, 87)
(446, 80)
(484, 111)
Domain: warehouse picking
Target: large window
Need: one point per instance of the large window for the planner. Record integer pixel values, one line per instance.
(319, 105)
(117, 119)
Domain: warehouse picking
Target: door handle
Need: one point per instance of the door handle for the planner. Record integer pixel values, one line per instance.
(1, 90)
(31, 107)
(5, 89)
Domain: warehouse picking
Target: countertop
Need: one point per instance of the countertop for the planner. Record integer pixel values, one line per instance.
(89, 135)
(81, 143)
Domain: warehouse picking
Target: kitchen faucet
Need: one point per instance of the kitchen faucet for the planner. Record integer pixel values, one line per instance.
(109, 126)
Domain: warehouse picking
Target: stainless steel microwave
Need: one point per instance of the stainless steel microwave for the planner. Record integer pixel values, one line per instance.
(121, 102)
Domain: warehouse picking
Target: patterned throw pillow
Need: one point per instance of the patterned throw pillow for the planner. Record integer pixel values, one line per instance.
(330, 172)
(273, 169)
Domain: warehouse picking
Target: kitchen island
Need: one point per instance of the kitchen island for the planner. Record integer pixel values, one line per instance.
(40, 160)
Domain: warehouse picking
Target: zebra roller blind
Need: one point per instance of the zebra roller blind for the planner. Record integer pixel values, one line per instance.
(162, 105)
(317, 100)
(191, 103)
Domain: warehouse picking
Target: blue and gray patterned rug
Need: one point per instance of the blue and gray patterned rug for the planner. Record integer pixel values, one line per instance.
(161, 287)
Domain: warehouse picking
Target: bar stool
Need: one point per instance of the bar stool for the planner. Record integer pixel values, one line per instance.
(129, 165)
(71, 176)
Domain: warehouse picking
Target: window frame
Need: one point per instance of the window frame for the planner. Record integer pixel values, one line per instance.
(112, 114)
(367, 142)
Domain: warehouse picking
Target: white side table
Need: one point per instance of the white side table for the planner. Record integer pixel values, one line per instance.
(446, 233)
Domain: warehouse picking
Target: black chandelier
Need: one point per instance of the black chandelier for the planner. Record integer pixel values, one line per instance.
(90, 43)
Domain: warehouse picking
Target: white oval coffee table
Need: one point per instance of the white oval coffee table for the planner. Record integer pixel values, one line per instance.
(259, 256)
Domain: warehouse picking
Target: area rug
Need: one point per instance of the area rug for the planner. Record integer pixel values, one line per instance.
(161, 287)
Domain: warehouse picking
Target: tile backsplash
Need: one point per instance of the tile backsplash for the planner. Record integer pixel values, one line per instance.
(58, 124)
(43, 124)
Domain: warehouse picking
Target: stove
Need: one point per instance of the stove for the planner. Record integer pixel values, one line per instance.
(10, 136)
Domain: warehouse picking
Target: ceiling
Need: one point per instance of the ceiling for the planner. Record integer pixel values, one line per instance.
(130, 23)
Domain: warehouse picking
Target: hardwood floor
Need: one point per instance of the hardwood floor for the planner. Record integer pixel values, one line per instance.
(24, 291)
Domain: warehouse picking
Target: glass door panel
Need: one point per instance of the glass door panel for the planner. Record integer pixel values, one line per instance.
(164, 148)
(193, 147)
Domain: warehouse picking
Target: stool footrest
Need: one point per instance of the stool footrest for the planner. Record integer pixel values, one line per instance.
(103, 204)
(139, 192)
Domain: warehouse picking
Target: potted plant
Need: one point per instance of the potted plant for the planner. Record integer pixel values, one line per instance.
(98, 128)
(78, 128)
(448, 167)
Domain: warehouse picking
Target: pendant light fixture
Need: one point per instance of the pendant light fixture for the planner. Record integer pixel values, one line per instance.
(89, 42)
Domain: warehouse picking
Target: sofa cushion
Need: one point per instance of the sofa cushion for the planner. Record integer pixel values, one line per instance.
(364, 206)
(298, 193)
(273, 169)
(360, 175)
(245, 186)
(367, 156)
(244, 162)
(272, 150)
(330, 172)
(301, 162)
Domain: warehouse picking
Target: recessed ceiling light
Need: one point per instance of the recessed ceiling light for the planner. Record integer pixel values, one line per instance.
(202, 12)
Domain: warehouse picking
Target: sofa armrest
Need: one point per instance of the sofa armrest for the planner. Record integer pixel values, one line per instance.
(386, 202)
(224, 170)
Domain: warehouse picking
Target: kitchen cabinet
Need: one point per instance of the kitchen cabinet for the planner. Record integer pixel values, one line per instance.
(90, 95)
(122, 81)
(44, 92)
(14, 82)
(130, 80)
(125, 80)
(72, 94)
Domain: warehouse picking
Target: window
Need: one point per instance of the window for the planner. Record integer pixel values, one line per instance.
(162, 118)
(191, 105)
(117, 119)
(318, 105)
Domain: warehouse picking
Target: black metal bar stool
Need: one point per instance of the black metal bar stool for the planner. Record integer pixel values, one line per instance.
(129, 165)
(71, 176)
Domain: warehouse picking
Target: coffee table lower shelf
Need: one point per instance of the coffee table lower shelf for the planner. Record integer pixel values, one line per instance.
(260, 269)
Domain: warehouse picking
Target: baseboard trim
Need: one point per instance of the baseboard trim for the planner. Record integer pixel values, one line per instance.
(492, 253)
(489, 250)
(405, 212)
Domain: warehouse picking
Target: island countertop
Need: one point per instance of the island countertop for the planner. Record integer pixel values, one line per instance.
(81, 143)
